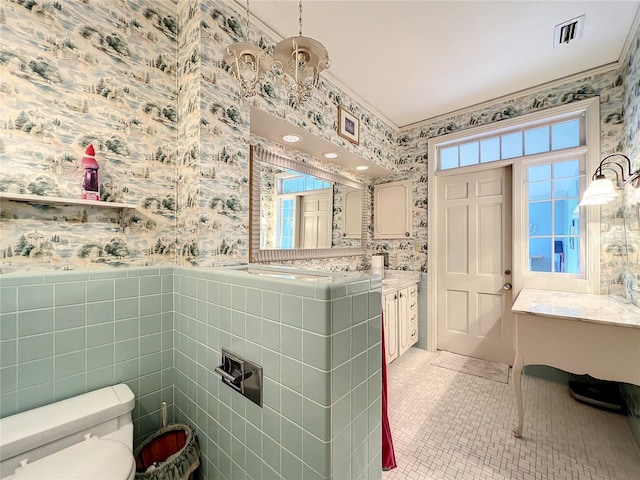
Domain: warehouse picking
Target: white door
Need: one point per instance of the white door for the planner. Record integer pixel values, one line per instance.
(474, 262)
(315, 222)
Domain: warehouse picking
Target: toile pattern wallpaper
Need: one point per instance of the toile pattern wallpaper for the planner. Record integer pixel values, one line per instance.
(145, 83)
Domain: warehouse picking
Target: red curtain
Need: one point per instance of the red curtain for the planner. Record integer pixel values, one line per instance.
(388, 455)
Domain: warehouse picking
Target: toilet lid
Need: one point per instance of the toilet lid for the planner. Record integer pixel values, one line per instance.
(96, 458)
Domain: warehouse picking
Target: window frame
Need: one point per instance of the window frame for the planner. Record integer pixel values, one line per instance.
(538, 279)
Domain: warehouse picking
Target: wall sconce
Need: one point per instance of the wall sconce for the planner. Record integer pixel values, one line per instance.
(601, 190)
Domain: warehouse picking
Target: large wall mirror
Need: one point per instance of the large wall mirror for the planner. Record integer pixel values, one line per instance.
(299, 211)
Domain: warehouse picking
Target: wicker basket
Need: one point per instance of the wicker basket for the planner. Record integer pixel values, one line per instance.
(172, 453)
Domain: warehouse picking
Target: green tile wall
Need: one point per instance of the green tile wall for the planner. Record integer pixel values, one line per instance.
(161, 333)
(321, 354)
(63, 334)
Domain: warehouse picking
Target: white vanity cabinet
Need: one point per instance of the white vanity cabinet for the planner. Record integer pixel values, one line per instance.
(392, 210)
(408, 318)
(400, 311)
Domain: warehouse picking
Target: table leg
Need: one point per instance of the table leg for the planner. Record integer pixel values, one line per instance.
(517, 386)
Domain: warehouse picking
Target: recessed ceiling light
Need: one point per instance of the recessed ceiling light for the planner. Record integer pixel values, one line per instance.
(362, 167)
(330, 155)
(291, 138)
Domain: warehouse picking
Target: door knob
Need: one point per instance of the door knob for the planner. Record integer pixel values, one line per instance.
(507, 286)
(507, 272)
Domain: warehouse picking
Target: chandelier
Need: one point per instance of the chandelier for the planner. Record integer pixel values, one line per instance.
(302, 59)
(248, 64)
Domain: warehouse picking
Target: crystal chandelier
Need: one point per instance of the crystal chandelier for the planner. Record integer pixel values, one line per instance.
(302, 59)
(248, 63)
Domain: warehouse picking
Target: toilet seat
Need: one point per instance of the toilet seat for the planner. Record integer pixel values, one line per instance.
(94, 458)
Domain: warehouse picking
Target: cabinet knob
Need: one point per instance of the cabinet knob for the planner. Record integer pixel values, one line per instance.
(407, 234)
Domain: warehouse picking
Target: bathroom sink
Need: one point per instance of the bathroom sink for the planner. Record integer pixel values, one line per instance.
(289, 273)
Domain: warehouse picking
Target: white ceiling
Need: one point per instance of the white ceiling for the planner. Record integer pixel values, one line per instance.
(414, 60)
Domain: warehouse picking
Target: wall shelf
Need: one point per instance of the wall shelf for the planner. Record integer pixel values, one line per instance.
(39, 200)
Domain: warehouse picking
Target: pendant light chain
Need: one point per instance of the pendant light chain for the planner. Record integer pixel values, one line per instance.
(300, 15)
(247, 18)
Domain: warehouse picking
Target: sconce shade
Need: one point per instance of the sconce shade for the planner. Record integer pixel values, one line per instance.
(302, 58)
(600, 192)
(249, 65)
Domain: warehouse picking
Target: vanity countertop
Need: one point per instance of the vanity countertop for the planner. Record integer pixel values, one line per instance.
(395, 279)
(579, 306)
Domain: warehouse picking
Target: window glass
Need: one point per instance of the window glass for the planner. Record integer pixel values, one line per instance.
(566, 169)
(490, 150)
(539, 218)
(540, 254)
(512, 145)
(540, 190)
(285, 232)
(565, 135)
(562, 212)
(449, 158)
(571, 254)
(536, 140)
(540, 172)
(566, 187)
(469, 154)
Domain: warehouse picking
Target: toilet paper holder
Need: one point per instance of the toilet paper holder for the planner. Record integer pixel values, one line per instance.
(240, 374)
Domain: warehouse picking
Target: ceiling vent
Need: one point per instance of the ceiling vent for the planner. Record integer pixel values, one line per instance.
(568, 31)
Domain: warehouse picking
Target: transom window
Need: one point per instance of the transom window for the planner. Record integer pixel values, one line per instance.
(514, 143)
(294, 182)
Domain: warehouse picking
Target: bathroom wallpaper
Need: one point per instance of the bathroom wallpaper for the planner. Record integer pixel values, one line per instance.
(172, 136)
(631, 200)
(163, 114)
(80, 73)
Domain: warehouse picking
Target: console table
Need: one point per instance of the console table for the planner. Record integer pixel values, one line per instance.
(576, 332)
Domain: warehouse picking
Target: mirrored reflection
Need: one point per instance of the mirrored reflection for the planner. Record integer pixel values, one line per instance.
(304, 211)
(300, 211)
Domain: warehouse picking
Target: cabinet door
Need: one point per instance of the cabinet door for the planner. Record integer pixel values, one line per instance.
(353, 214)
(403, 320)
(392, 210)
(412, 309)
(390, 311)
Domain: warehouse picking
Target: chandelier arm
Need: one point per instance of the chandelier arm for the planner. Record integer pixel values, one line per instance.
(248, 19)
(300, 15)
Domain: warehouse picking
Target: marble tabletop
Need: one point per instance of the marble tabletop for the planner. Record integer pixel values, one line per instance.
(578, 306)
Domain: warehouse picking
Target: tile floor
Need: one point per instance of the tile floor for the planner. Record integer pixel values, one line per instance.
(450, 425)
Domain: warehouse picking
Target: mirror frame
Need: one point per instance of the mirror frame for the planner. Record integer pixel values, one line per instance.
(257, 156)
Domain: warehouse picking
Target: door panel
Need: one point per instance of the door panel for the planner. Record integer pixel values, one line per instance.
(458, 311)
(457, 232)
(315, 221)
(474, 229)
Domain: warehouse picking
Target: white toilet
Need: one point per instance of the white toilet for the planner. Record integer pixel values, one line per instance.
(85, 437)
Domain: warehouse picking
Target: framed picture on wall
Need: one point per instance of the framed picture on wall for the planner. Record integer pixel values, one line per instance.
(348, 126)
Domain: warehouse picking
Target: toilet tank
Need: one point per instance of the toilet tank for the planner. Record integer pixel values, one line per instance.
(42, 431)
